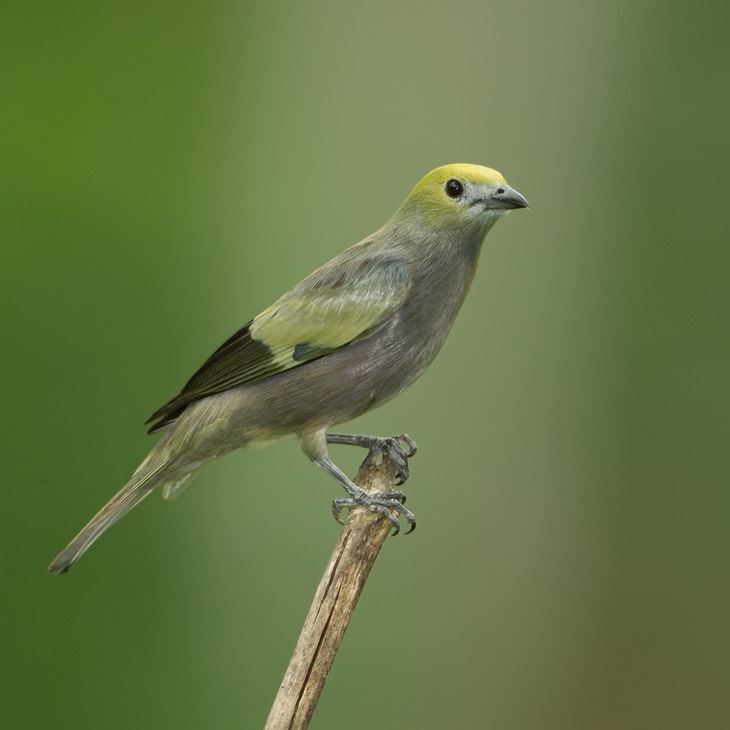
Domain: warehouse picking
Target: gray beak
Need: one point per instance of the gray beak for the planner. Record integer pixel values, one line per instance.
(506, 198)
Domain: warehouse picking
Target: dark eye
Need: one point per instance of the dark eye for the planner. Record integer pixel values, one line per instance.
(500, 191)
(454, 188)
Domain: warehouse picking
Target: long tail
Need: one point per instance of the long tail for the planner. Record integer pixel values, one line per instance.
(131, 494)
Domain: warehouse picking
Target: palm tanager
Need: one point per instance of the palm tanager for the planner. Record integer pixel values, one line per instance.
(346, 339)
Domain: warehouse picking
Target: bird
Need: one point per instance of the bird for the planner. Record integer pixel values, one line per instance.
(348, 338)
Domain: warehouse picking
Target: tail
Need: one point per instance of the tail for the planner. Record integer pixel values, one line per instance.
(118, 506)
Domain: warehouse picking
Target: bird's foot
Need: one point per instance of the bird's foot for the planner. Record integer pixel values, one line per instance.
(392, 446)
(390, 504)
(384, 503)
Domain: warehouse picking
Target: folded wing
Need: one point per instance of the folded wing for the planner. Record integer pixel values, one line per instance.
(345, 301)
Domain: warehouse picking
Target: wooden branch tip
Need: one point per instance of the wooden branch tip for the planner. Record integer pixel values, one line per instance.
(362, 537)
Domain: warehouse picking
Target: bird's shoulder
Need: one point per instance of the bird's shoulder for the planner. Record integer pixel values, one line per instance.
(339, 302)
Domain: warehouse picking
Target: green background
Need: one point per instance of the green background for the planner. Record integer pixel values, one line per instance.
(169, 169)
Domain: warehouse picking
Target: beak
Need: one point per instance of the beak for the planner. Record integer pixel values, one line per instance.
(506, 198)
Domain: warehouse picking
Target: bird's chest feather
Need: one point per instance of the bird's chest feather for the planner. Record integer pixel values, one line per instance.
(412, 339)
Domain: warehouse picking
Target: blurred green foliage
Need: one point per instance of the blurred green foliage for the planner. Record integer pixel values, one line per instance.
(170, 169)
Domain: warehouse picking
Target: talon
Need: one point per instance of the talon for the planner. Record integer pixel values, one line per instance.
(398, 455)
(384, 503)
(342, 503)
(412, 445)
(401, 465)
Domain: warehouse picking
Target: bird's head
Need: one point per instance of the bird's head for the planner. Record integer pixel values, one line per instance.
(461, 196)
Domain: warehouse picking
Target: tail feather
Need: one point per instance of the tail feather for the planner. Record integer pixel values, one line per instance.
(118, 506)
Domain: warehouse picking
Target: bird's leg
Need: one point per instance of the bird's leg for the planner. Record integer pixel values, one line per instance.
(390, 445)
(382, 503)
(314, 445)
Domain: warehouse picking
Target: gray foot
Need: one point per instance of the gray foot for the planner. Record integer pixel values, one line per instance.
(384, 503)
(390, 445)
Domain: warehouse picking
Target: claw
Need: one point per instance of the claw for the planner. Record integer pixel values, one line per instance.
(342, 503)
(384, 503)
(412, 445)
(390, 445)
(399, 456)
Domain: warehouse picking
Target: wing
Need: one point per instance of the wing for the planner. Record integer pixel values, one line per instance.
(343, 302)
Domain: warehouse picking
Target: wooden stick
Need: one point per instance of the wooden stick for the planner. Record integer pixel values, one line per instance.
(334, 602)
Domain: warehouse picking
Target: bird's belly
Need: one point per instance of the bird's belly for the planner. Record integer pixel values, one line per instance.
(339, 386)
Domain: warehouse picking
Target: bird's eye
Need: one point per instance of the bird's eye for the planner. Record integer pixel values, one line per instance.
(500, 191)
(454, 188)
